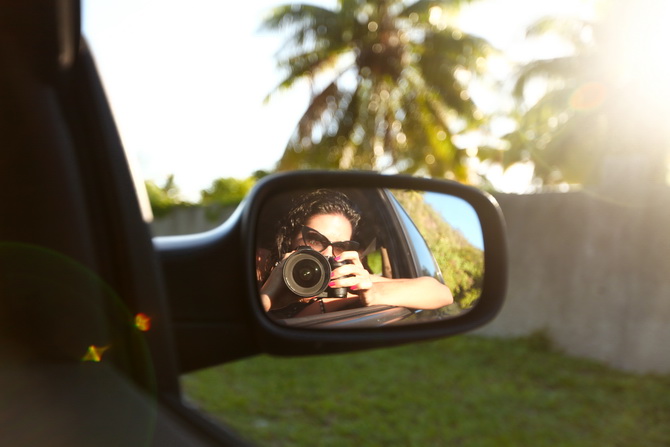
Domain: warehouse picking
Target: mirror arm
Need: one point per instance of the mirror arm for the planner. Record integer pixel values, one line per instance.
(212, 289)
(207, 296)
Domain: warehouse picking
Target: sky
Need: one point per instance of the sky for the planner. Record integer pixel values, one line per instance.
(459, 214)
(186, 80)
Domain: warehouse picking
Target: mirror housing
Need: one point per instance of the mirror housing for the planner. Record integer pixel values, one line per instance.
(213, 289)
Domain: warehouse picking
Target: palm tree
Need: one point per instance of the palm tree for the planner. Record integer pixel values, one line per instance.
(591, 112)
(549, 129)
(388, 85)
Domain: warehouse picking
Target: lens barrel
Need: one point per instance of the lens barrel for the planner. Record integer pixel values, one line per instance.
(306, 272)
(337, 292)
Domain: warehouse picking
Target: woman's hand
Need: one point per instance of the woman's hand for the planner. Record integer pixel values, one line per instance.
(274, 295)
(418, 293)
(352, 275)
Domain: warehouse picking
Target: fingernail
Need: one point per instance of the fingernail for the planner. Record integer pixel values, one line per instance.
(332, 274)
(331, 284)
(337, 258)
(353, 287)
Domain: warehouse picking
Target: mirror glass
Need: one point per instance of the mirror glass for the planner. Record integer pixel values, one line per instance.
(367, 257)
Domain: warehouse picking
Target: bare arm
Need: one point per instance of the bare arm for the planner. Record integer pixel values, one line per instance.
(274, 295)
(418, 293)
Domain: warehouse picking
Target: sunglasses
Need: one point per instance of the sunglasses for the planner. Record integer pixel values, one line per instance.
(319, 242)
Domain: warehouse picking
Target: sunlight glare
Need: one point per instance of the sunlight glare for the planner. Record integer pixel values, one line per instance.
(437, 17)
(589, 96)
(516, 179)
(637, 51)
(142, 322)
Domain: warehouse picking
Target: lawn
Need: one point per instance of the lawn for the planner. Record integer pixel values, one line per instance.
(461, 391)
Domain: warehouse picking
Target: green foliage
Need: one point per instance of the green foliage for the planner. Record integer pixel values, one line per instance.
(374, 261)
(222, 194)
(461, 263)
(226, 191)
(164, 198)
(409, 91)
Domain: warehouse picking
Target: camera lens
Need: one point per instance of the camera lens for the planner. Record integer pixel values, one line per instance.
(306, 273)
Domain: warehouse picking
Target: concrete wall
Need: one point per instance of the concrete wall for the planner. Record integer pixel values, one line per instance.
(593, 272)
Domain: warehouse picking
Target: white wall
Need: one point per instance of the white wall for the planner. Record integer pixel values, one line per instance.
(592, 271)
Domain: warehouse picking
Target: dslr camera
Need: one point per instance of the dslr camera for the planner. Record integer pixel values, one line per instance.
(307, 273)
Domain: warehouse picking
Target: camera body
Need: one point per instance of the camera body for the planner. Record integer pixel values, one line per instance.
(307, 272)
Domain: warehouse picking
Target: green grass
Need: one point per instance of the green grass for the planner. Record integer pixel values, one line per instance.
(461, 391)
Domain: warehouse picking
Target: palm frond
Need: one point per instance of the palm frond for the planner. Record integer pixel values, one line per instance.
(422, 7)
(571, 29)
(558, 68)
(317, 107)
(306, 66)
(298, 15)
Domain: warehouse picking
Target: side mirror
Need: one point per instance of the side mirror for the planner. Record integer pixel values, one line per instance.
(406, 242)
(411, 231)
(428, 260)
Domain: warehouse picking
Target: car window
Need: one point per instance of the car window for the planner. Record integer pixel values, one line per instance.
(187, 83)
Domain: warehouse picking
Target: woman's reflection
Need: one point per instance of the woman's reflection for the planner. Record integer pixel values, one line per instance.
(315, 240)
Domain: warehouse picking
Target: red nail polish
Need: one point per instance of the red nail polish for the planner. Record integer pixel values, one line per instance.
(331, 284)
(353, 288)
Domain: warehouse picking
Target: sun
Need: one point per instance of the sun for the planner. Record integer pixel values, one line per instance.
(636, 51)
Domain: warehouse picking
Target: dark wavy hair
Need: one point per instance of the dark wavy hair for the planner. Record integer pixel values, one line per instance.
(304, 207)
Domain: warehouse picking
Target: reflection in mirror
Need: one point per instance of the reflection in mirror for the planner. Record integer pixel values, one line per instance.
(363, 257)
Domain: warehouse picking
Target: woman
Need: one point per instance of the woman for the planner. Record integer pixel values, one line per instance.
(326, 221)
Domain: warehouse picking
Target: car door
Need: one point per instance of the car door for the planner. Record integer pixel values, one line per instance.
(78, 265)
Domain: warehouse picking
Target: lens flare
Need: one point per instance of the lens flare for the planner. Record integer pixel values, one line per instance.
(588, 96)
(142, 322)
(94, 353)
